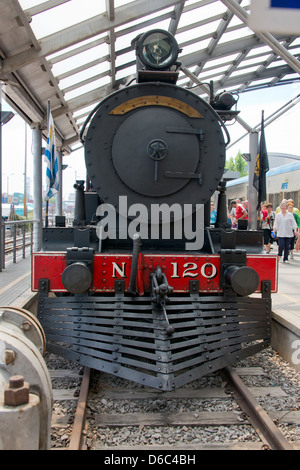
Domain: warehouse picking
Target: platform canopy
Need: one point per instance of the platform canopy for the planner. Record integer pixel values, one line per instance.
(75, 52)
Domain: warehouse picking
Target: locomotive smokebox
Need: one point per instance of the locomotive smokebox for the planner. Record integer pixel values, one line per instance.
(155, 143)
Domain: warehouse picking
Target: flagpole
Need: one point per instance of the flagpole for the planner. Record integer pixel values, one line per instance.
(252, 193)
(47, 200)
(261, 168)
(259, 201)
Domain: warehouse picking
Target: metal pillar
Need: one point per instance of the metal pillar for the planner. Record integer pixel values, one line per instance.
(25, 175)
(1, 237)
(252, 192)
(37, 188)
(60, 181)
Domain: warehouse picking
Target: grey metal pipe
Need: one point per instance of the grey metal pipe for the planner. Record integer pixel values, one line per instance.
(37, 187)
(134, 265)
(1, 233)
(59, 196)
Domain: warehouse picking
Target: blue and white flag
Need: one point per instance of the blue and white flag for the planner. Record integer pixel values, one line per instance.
(51, 161)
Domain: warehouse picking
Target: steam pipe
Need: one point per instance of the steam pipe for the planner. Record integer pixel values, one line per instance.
(134, 265)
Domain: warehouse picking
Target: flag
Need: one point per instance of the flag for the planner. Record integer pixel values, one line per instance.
(51, 160)
(261, 167)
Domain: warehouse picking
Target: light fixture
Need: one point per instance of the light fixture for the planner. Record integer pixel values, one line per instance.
(157, 49)
(6, 116)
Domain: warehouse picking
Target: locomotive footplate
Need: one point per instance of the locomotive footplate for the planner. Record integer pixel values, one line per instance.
(127, 335)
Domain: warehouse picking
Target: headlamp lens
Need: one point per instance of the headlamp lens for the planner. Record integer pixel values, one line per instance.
(158, 49)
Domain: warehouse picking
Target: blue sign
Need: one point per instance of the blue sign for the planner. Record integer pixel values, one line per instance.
(285, 4)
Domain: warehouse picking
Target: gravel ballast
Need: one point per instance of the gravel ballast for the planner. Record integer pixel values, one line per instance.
(275, 373)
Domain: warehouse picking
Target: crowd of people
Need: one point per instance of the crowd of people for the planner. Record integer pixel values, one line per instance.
(239, 210)
(281, 225)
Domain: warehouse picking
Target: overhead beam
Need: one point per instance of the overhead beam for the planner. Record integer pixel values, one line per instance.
(40, 8)
(110, 8)
(87, 81)
(225, 49)
(21, 99)
(238, 60)
(24, 20)
(254, 76)
(83, 100)
(199, 4)
(77, 50)
(222, 27)
(95, 96)
(85, 30)
(267, 38)
(195, 79)
(72, 72)
(198, 23)
(19, 91)
(272, 58)
(176, 17)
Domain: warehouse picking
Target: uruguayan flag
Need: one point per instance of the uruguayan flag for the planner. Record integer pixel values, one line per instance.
(51, 161)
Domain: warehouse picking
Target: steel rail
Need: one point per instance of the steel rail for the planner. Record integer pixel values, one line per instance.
(19, 246)
(76, 439)
(258, 417)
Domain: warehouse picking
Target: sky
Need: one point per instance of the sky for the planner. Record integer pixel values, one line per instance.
(281, 136)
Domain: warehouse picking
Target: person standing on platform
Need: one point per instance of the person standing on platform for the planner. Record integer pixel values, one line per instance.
(271, 218)
(232, 214)
(271, 215)
(241, 211)
(297, 246)
(213, 214)
(295, 209)
(278, 209)
(297, 219)
(285, 226)
(265, 220)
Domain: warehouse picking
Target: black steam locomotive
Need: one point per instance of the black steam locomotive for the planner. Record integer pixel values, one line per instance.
(142, 286)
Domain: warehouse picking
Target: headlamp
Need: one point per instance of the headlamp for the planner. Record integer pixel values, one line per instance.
(157, 49)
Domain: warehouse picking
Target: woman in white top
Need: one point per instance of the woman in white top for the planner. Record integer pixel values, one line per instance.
(284, 226)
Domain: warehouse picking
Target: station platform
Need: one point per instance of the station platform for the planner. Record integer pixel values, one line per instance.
(286, 311)
(15, 291)
(15, 285)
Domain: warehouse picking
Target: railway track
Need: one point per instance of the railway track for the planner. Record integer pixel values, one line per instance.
(110, 414)
(21, 245)
(9, 249)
